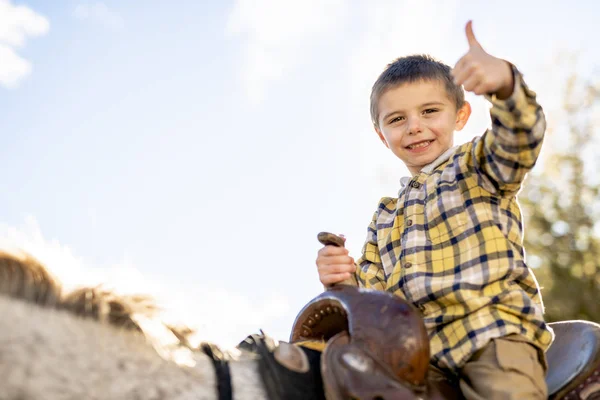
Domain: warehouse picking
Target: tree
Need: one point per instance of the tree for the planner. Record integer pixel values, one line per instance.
(561, 208)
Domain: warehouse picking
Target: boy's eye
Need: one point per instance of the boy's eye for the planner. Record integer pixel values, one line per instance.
(396, 119)
(430, 111)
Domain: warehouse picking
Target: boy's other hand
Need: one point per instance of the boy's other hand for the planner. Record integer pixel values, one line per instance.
(482, 73)
(334, 265)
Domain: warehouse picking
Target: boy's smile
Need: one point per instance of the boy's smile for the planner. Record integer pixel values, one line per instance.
(417, 121)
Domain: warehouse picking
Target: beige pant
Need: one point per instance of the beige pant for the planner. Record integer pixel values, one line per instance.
(507, 368)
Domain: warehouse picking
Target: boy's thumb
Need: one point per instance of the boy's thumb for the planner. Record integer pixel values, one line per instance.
(470, 35)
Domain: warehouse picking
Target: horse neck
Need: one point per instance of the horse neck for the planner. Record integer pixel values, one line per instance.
(50, 354)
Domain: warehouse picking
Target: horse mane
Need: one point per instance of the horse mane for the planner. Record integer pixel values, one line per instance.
(24, 278)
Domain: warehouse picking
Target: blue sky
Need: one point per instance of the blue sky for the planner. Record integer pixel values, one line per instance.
(195, 150)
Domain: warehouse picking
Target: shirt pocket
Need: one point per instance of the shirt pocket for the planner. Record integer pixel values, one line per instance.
(446, 216)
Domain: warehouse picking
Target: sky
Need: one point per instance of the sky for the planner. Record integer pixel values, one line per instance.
(193, 150)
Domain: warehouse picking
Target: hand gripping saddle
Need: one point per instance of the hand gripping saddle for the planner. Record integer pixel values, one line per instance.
(377, 348)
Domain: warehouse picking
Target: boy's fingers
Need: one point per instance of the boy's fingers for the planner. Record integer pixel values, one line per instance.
(461, 75)
(460, 64)
(335, 278)
(462, 68)
(471, 83)
(331, 260)
(337, 269)
(480, 89)
(471, 36)
(330, 250)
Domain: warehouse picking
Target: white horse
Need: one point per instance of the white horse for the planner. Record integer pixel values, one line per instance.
(53, 347)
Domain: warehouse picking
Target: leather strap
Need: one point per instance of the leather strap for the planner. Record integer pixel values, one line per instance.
(221, 365)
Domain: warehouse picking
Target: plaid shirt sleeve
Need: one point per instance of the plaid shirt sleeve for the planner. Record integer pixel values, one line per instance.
(504, 154)
(369, 270)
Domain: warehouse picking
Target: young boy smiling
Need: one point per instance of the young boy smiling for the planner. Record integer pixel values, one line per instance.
(451, 242)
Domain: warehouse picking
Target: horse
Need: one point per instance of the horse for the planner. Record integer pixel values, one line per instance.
(93, 343)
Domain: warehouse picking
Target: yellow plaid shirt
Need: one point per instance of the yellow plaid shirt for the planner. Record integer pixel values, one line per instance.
(452, 242)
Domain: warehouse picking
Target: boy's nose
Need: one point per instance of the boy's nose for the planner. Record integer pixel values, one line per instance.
(414, 126)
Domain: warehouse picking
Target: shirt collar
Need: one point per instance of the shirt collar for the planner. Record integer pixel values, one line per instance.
(428, 169)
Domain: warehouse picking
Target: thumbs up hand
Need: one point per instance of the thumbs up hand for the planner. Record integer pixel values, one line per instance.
(482, 73)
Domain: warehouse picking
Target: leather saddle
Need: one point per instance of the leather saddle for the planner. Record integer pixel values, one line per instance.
(376, 347)
(376, 344)
(574, 361)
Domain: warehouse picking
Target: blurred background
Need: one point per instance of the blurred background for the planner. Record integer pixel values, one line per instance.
(194, 149)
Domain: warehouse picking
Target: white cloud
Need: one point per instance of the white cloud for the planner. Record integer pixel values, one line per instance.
(12, 67)
(16, 24)
(221, 316)
(100, 13)
(276, 31)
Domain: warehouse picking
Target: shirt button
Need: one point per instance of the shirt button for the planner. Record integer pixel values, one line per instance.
(407, 265)
(409, 222)
(415, 184)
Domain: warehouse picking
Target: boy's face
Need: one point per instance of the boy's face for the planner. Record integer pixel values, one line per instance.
(417, 122)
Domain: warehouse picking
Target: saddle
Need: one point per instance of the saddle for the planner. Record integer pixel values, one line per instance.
(376, 347)
(376, 344)
(574, 361)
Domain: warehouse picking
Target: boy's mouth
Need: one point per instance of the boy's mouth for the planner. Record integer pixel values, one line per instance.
(420, 145)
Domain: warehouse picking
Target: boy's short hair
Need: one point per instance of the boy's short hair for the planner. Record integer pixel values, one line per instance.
(411, 69)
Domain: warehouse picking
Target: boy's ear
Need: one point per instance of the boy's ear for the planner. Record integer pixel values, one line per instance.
(381, 136)
(462, 116)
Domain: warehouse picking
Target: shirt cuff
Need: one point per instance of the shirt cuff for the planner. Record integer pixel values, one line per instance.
(520, 109)
(519, 95)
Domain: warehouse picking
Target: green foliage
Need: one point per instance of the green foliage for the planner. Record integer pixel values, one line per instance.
(561, 207)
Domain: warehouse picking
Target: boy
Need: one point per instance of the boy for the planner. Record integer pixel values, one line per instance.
(451, 243)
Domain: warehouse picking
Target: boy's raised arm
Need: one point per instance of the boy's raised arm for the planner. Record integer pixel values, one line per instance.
(507, 152)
